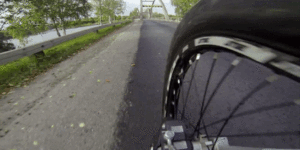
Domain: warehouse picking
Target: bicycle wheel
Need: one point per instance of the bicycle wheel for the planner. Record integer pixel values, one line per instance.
(230, 82)
(223, 93)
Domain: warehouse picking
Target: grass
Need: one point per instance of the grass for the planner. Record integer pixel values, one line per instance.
(82, 25)
(20, 72)
(89, 24)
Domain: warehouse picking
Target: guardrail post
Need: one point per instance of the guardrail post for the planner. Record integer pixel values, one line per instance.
(39, 56)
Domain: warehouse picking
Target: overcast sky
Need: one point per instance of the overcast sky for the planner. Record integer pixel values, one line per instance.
(131, 4)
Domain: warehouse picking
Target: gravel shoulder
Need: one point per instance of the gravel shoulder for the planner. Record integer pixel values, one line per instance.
(75, 104)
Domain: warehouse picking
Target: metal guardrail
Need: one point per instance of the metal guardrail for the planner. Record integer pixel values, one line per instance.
(170, 19)
(12, 55)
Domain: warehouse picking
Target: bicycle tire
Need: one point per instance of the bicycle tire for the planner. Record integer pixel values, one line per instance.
(186, 44)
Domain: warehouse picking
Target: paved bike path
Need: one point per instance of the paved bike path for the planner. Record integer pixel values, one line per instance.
(74, 105)
(140, 122)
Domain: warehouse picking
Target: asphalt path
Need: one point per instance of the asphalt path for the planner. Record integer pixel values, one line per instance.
(144, 91)
(74, 105)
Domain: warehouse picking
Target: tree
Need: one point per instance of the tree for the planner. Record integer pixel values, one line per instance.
(35, 15)
(183, 6)
(124, 17)
(4, 46)
(114, 7)
(98, 7)
(120, 7)
(4, 9)
(157, 15)
(118, 17)
(59, 11)
(109, 8)
(134, 13)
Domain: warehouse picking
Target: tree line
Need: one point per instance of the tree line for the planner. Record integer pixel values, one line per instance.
(26, 17)
(183, 6)
(109, 8)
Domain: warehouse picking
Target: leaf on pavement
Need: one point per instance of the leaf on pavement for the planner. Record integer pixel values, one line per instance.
(73, 95)
(98, 80)
(35, 143)
(91, 72)
(25, 86)
(81, 125)
(16, 103)
(64, 84)
(52, 126)
(107, 80)
(22, 97)
(10, 92)
(50, 96)
(72, 125)
(132, 65)
(297, 101)
(6, 131)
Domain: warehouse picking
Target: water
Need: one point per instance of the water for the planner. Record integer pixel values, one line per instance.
(45, 36)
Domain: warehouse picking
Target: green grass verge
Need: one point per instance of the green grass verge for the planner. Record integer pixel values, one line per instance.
(89, 24)
(79, 25)
(20, 72)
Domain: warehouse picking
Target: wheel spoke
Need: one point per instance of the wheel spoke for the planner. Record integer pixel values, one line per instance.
(256, 89)
(188, 92)
(206, 87)
(261, 109)
(205, 130)
(233, 65)
(206, 133)
(182, 95)
(187, 120)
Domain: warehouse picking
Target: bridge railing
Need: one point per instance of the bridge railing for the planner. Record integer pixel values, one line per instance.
(12, 55)
(171, 19)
